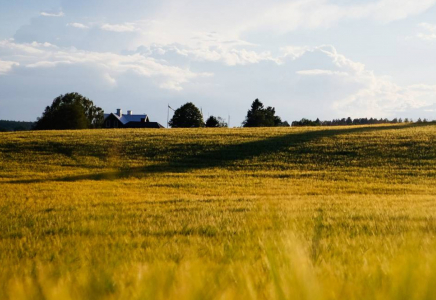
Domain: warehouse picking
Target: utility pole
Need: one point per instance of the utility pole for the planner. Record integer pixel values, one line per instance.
(168, 116)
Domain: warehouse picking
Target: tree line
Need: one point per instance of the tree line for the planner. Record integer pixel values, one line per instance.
(74, 111)
(359, 121)
(15, 125)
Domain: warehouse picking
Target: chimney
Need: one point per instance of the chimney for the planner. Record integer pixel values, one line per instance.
(129, 112)
(119, 112)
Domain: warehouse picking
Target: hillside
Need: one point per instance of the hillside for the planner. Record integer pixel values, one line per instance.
(278, 213)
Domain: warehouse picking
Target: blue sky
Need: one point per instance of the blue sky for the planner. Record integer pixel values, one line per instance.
(307, 58)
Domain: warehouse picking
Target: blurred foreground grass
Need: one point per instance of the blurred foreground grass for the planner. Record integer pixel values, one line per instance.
(306, 213)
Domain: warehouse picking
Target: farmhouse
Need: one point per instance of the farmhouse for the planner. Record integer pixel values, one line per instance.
(118, 120)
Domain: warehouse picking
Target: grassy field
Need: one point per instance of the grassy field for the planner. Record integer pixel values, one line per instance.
(287, 213)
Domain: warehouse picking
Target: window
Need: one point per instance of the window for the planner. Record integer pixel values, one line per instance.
(108, 123)
(115, 124)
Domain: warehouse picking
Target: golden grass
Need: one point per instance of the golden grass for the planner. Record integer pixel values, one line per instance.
(287, 213)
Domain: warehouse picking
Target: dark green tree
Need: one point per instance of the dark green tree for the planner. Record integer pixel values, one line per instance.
(215, 122)
(258, 116)
(186, 116)
(71, 111)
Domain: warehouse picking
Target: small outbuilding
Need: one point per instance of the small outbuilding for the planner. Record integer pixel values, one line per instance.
(129, 120)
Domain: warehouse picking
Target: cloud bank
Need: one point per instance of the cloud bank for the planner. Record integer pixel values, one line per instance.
(223, 77)
(430, 32)
(143, 55)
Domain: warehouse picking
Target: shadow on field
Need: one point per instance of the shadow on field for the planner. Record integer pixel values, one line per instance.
(226, 155)
(48, 148)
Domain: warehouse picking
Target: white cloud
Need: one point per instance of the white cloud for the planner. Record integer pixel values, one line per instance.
(180, 20)
(372, 95)
(11, 48)
(317, 72)
(340, 60)
(47, 64)
(111, 65)
(48, 14)
(211, 23)
(427, 37)
(430, 33)
(126, 27)
(6, 66)
(293, 52)
(351, 89)
(172, 48)
(78, 25)
(229, 56)
(307, 80)
(428, 26)
(381, 97)
(44, 45)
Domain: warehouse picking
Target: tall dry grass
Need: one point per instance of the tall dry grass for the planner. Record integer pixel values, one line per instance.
(318, 213)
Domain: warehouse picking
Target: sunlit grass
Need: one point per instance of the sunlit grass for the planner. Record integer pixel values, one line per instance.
(288, 213)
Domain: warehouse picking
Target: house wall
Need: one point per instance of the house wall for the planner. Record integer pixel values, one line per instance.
(112, 122)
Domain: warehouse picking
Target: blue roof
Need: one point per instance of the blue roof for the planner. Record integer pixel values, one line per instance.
(128, 118)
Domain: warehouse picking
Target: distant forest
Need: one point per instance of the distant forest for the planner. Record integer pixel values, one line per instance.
(15, 126)
(349, 121)
(24, 126)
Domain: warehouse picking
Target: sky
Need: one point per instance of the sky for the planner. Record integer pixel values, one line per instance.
(307, 58)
